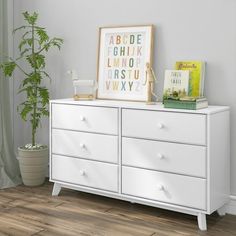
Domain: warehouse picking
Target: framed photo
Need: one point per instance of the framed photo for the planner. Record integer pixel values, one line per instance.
(123, 54)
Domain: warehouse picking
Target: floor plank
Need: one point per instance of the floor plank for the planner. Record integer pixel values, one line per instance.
(32, 211)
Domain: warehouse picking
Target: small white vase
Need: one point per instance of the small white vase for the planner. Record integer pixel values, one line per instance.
(33, 165)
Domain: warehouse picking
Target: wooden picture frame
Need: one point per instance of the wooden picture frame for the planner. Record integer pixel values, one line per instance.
(122, 57)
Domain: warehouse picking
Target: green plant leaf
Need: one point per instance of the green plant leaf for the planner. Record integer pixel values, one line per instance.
(44, 111)
(25, 111)
(37, 61)
(22, 43)
(43, 37)
(29, 42)
(8, 68)
(31, 19)
(44, 94)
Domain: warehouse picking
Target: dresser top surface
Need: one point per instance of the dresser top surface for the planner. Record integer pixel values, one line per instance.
(138, 105)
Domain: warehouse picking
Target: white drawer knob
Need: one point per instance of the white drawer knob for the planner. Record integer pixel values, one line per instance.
(82, 145)
(82, 118)
(161, 187)
(161, 156)
(161, 126)
(82, 172)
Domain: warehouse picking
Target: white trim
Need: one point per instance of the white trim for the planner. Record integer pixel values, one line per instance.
(231, 206)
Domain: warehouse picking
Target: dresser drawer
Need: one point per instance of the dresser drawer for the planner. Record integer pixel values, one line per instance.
(163, 156)
(83, 172)
(167, 126)
(85, 118)
(85, 145)
(164, 187)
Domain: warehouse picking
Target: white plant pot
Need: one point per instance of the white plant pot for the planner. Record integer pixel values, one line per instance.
(33, 165)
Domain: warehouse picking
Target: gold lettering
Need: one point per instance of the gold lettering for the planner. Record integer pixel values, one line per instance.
(115, 85)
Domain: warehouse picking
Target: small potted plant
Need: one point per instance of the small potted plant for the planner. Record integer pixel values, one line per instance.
(33, 46)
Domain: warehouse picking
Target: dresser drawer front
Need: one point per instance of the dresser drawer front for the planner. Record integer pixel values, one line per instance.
(83, 172)
(167, 126)
(170, 188)
(163, 156)
(85, 145)
(85, 118)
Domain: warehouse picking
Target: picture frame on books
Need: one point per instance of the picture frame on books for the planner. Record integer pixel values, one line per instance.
(123, 53)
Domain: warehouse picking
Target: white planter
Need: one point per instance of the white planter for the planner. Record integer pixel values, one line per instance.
(33, 165)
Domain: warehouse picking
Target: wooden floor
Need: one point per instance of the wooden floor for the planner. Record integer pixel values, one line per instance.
(32, 211)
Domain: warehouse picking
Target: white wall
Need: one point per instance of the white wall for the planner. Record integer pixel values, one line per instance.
(185, 30)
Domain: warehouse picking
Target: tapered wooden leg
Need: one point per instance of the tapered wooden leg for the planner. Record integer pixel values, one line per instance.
(56, 189)
(201, 218)
(222, 211)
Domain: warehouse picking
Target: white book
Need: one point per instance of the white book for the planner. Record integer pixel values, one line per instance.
(176, 83)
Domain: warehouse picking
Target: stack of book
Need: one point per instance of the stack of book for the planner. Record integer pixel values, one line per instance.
(184, 86)
(191, 104)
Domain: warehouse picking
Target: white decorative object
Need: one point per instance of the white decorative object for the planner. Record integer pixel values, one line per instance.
(83, 89)
(150, 80)
(182, 165)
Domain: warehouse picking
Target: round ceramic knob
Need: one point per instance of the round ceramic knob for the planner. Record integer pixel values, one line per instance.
(161, 126)
(161, 187)
(82, 145)
(160, 156)
(82, 118)
(82, 172)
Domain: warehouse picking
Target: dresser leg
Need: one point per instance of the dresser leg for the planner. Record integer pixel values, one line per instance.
(201, 218)
(222, 211)
(56, 189)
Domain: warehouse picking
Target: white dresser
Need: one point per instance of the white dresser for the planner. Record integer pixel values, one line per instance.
(167, 158)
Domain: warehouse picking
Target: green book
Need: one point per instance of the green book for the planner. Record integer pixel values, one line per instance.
(188, 105)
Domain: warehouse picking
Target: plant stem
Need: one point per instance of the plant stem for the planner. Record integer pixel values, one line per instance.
(43, 48)
(21, 70)
(35, 92)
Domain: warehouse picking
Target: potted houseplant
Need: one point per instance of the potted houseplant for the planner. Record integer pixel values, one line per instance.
(33, 46)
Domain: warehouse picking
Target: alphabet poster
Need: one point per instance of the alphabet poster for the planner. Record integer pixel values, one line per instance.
(123, 54)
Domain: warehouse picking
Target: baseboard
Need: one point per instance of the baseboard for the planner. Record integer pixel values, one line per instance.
(231, 207)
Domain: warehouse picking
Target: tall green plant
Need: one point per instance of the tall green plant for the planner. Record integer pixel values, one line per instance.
(33, 46)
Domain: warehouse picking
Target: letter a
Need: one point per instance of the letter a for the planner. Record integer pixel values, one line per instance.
(111, 41)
